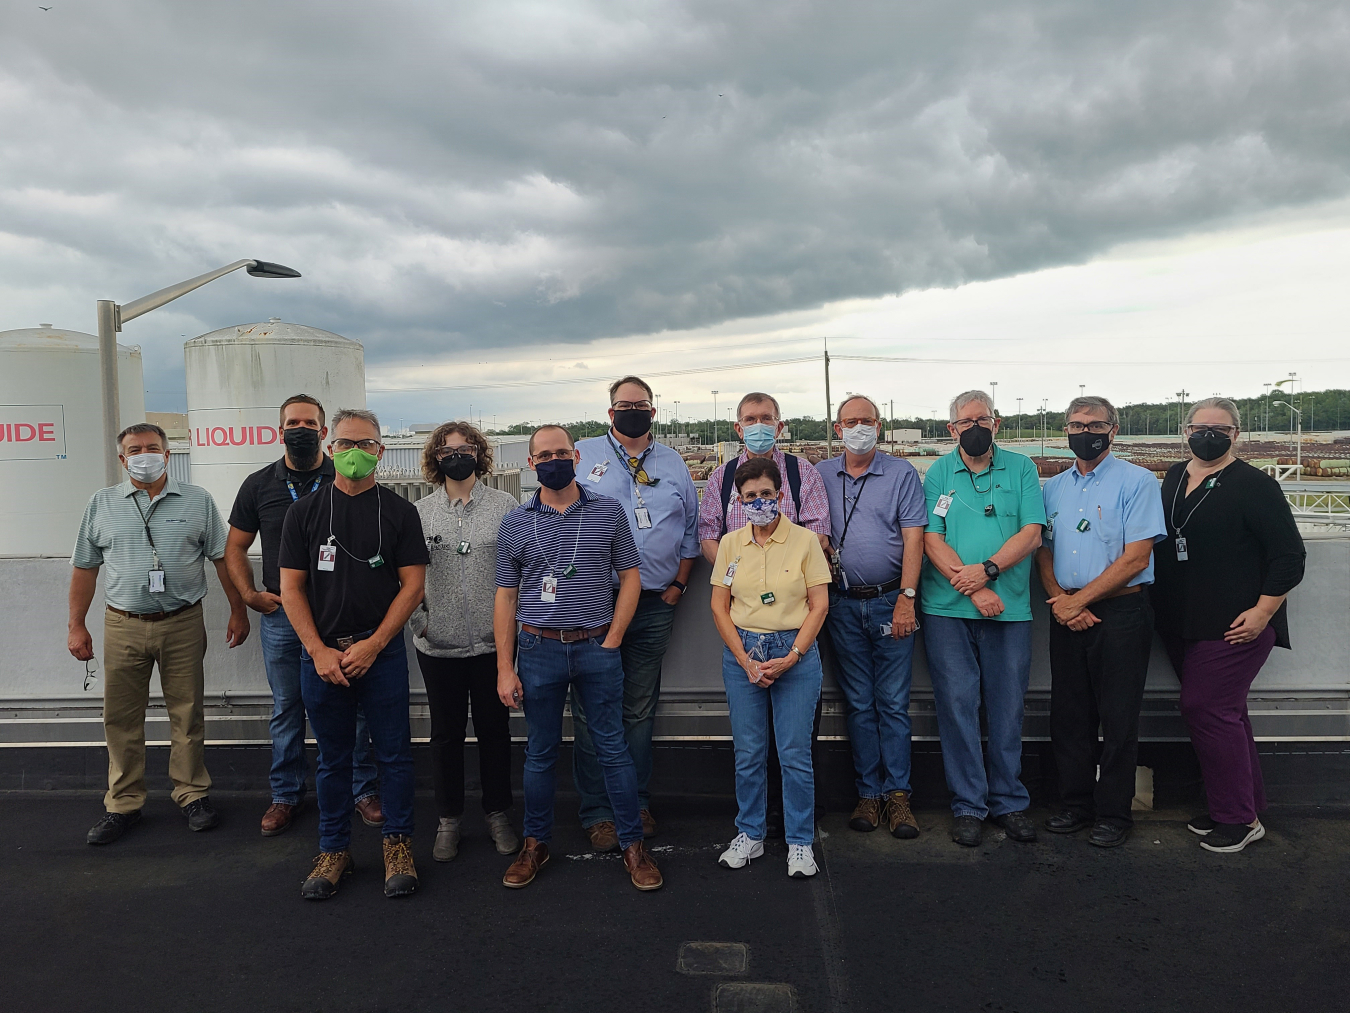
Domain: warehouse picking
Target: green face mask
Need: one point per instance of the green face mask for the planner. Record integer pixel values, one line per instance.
(355, 464)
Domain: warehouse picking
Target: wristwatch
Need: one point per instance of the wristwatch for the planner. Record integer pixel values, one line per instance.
(909, 593)
(991, 570)
(676, 583)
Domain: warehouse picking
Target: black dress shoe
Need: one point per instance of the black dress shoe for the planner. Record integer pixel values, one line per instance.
(111, 827)
(1017, 826)
(200, 815)
(966, 831)
(1108, 835)
(1067, 822)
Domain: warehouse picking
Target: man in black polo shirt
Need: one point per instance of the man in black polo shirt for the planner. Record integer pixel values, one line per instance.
(260, 508)
(353, 567)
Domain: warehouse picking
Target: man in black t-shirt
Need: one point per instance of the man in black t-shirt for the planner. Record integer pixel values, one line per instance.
(353, 566)
(259, 509)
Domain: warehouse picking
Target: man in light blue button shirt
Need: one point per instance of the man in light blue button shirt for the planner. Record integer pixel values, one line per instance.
(658, 496)
(1102, 517)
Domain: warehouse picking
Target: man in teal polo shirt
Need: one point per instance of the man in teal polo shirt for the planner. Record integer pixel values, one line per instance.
(985, 515)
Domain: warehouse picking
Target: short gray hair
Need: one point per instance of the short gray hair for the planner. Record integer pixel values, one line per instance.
(961, 400)
(343, 414)
(1216, 402)
(1093, 404)
(839, 412)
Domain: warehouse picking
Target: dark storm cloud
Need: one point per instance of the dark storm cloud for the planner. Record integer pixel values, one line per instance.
(468, 177)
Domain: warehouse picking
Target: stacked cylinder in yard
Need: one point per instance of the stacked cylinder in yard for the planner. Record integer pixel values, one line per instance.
(237, 378)
(51, 433)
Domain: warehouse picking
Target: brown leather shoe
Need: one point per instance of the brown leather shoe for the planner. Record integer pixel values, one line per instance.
(899, 818)
(642, 867)
(648, 823)
(330, 868)
(533, 857)
(370, 812)
(603, 836)
(866, 815)
(400, 875)
(278, 818)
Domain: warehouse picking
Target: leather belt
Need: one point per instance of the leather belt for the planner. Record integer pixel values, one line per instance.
(1123, 591)
(566, 636)
(866, 591)
(152, 617)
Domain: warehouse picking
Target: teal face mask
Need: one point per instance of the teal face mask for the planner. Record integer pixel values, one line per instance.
(759, 437)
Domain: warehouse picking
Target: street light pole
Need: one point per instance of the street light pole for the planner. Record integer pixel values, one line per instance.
(1019, 418)
(1298, 452)
(111, 317)
(715, 418)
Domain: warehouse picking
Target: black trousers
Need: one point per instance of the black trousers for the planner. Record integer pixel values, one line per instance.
(1097, 678)
(451, 684)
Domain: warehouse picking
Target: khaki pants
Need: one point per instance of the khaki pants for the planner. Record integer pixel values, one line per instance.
(131, 649)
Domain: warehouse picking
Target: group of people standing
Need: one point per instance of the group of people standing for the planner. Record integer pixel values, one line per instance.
(571, 597)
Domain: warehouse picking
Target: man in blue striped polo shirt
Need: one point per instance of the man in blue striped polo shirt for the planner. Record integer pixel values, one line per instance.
(555, 557)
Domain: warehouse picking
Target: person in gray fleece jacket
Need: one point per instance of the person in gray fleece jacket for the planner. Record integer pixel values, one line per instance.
(452, 631)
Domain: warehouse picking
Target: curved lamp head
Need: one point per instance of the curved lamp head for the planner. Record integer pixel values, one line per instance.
(266, 269)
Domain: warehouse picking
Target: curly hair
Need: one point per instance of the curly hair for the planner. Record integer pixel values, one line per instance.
(467, 430)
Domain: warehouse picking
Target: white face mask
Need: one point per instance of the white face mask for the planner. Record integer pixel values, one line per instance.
(147, 468)
(860, 439)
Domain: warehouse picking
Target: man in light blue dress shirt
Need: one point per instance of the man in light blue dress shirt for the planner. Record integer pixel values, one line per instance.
(653, 483)
(1096, 563)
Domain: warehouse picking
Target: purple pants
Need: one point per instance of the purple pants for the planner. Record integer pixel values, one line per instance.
(1215, 677)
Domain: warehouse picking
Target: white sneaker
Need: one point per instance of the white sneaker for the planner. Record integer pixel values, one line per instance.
(801, 861)
(740, 851)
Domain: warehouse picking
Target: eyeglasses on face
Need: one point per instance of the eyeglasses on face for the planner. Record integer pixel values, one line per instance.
(1195, 428)
(1096, 428)
(768, 419)
(961, 425)
(445, 453)
(369, 446)
(850, 423)
(626, 406)
(552, 455)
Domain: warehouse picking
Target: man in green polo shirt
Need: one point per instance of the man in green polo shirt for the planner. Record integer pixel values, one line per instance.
(985, 514)
(152, 536)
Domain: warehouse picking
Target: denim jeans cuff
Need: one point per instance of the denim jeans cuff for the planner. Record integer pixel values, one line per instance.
(369, 794)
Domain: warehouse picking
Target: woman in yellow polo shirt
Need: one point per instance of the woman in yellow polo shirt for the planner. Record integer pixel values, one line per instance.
(769, 600)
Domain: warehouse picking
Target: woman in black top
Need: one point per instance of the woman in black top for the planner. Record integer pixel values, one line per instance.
(1232, 555)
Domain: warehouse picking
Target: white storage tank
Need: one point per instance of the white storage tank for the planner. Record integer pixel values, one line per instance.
(237, 378)
(51, 433)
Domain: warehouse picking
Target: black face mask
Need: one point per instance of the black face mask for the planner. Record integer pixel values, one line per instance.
(302, 445)
(456, 468)
(1208, 445)
(1089, 446)
(633, 422)
(557, 473)
(977, 440)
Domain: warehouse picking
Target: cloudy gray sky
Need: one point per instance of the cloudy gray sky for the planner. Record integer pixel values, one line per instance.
(533, 185)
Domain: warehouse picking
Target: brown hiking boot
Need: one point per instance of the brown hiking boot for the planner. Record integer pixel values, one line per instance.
(370, 812)
(277, 819)
(642, 867)
(866, 815)
(400, 876)
(648, 823)
(330, 868)
(533, 857)
(603, 836)
(899, 819)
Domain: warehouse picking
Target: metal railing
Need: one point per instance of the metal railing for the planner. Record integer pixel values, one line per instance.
(1319, 502)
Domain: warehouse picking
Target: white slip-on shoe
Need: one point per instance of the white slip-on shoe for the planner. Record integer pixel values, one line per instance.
(740, 851)
(801, 861)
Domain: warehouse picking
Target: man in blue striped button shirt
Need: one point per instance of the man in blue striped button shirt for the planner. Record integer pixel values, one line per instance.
(555, 557)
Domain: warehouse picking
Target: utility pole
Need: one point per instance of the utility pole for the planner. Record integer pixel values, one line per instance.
(715, 419)
(993, 396)
(1181, 410)
(829, 409)
(1042, 427)
(1019, 418)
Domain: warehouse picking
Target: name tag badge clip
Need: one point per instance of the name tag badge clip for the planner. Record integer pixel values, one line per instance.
(644, 518)
(731, 572)
(375, 561)
(463, 547)
(327, 557)
(944, 503)
(598, 472)
(1181, 548)
(569, 570)
(767, 598)
(989, 510)
(548, 592)
(156, 581)
(1084, 525)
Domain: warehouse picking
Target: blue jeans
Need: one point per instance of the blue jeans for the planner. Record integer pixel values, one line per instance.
(873, 671)
(382, 693)
(970, 660)
(794, 695)
(644, 645)
(281, 659)
(547, 669)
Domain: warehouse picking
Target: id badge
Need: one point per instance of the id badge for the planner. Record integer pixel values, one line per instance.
(548, 592)
(767, 598)
(597, 473)
(944, 503)
(886, 629)
(1181, 548)
(730, 574)
(644, 518)
(156, 581)
(463, 547)
(1084, 525)
(327, 557)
